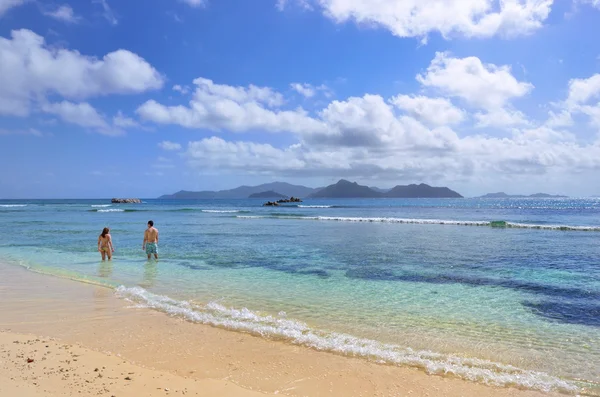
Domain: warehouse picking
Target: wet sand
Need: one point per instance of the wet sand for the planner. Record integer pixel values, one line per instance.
(89, 324)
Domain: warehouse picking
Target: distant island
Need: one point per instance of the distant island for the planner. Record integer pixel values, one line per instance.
(267, 194)
(242, 192)
(341, 189)
(347, 189)
(536, 195)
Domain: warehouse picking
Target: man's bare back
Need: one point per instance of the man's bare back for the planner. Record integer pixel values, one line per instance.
(151, 235)
(150, 244)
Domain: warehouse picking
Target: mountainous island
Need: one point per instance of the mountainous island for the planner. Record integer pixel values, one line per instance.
(341, 189)
(268, 195)
(346, 189)
(536, 195)
(242, 192)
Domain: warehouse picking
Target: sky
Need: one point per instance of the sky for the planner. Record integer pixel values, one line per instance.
(139, 98)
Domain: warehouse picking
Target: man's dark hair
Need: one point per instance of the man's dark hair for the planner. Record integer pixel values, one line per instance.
(151, 223)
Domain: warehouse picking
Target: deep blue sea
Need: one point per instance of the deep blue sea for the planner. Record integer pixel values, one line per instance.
(499, 291)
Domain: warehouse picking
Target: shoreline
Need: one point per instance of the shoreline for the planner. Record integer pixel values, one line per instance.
(92, 316)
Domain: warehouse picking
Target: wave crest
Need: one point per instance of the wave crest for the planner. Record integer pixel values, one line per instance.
(495, 224)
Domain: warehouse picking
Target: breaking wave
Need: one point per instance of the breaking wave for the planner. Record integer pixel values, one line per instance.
(315, 206)
(12, 205)
(223, 211)
(299, 333)
(101, 205)
(495, 224)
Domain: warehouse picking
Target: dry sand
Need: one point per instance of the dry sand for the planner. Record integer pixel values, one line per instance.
(164, 352)
(34, 367)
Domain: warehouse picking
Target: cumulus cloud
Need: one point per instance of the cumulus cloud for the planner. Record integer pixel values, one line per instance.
(223, 107)
(418, 18)
(501, 118)
(305, 90)
(6, 5)
(31, 70)
(481, 85)
(309, 90)
(407, 136)
(561, 119)
(63, 13)
(432, 111)
(184, 90)
(122, 121)
(582, 90)
(168, 145)
(82, 114)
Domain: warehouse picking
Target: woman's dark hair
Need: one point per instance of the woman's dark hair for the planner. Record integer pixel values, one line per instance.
(104, 232)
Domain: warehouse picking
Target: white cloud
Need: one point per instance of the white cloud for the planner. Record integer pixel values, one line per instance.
(403, 137)
(181, 89)
(593, 3)
(309, 90)
(582, 90)
(304, 4)
(500, 117)
(107, 12)
(481, 85)
(215, 153)
(30, 70)
(303, 89)
(557, 120)
(195, 3)
(593, 112)
(82, 114)
(418, 18)
(63, 13)
(222, 107)
(167, 145)
(122, 121)
(6, 5)
(432, 111)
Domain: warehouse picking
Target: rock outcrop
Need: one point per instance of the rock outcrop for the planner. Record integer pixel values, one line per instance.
(290, 200)
(125, 201)
(282, 201)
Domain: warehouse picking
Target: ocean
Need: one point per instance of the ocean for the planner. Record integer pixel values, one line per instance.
(504, 292)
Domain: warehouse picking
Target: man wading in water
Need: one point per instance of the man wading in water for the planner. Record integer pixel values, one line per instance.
(150, 243)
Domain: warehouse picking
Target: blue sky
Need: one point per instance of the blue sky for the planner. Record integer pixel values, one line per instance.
(104, 98)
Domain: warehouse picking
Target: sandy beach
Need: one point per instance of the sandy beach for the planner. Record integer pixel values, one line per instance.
(85, 341)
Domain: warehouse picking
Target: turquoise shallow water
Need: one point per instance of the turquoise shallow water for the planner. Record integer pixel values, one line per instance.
(430, 283)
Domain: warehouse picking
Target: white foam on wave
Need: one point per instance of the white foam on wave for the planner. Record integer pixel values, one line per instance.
(221, 211)
(101, 206)
(245, 320)
(111, 210)
(514, 225)
(399, 220)
(552, 227)
(315, 206)
(12, 205)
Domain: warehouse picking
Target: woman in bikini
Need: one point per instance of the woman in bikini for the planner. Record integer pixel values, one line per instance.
(105, 245)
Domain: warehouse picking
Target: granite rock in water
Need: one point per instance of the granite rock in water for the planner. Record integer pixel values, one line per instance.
(290, 200)
(126, 201)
